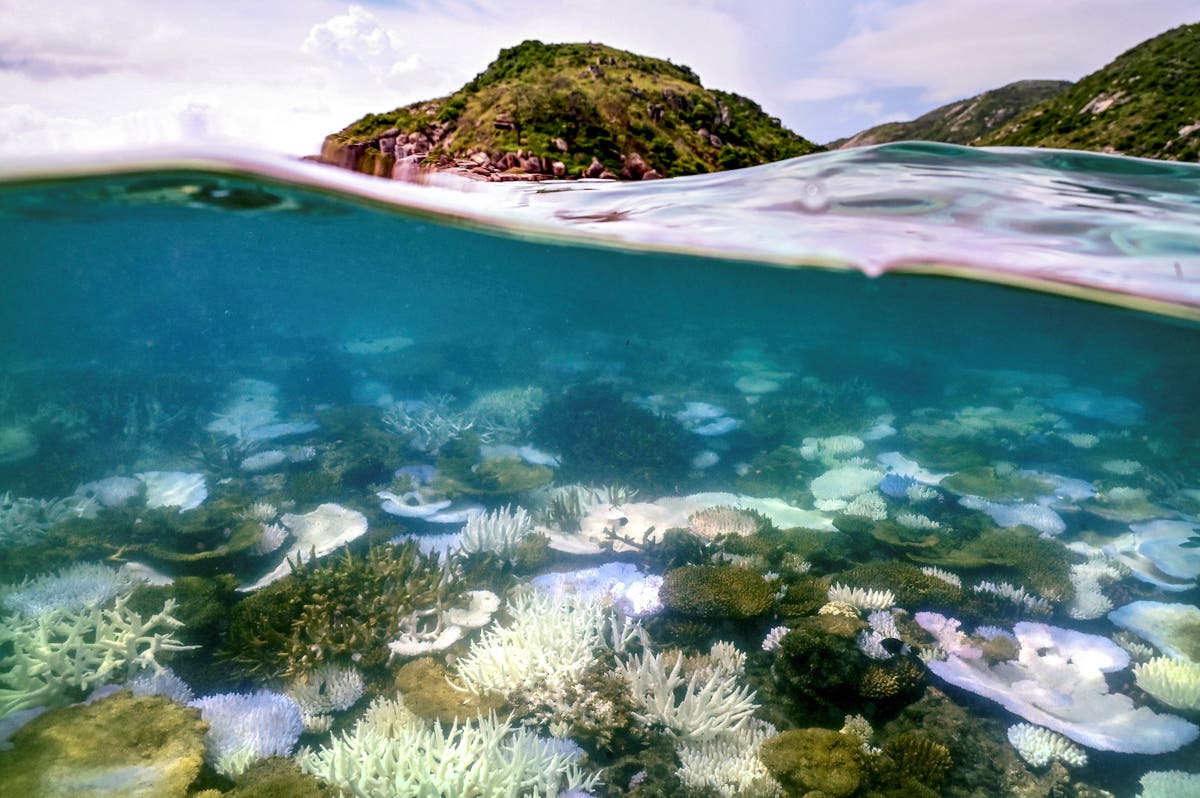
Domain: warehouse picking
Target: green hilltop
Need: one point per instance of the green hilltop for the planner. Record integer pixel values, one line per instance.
(1145, 103)
(963, 121)
(570, 110)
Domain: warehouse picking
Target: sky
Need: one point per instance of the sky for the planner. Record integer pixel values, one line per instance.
(281, 74)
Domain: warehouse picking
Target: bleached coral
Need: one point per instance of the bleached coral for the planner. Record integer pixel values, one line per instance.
(1030, 602)
(950, 641)
(1175, 682)
(75, 587)
(547, 642)
(844, 482)
(862, 599)
(945, 576)
(498, 532)
(24, 520)
(243, 729)
(859, 728)
(163, 682)
(869, 505)
(918, 493)
(330, 688)
(831, 450)
(62, 650)
(711, 702)
(713, 522)
(430, 424)
(273, 536)
(1121, 467)
(773, 638)
(728, 765)
(1088, 578)
(392, 752)
(916, 521)
(1039, 746)
(883, 627)
(1170, 784)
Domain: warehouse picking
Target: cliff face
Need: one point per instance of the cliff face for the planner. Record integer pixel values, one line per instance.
(569, 110)
(964, 121)
(1145, 103)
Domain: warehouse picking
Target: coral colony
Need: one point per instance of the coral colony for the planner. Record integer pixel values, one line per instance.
(707, 564)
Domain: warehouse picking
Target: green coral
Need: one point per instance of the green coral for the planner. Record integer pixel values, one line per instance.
(818, 664)
(602, 438)
(344, 610)
(1019, 554)
(996, 484)
(460, 471)
(816, 760)
(716, 591)
(913, 588)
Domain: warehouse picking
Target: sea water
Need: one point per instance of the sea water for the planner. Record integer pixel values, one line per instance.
(247, 342)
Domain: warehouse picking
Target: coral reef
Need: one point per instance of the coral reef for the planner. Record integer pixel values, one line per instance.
(1174, 682)
(62, 651)
(811, 760)
(344, 611)
(1039, 746)
(603, 438)
(136, 747)
(243, 729)
(716, 591)
(390, 751)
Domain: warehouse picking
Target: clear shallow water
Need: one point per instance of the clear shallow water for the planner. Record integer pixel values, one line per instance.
(158, 322)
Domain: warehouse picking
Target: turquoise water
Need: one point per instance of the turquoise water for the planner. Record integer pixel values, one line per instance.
(163, 321)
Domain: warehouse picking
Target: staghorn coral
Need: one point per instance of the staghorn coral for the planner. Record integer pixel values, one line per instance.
(343, 610)
(390, 751)
(61, 651)
(711, 703)
(729, 765)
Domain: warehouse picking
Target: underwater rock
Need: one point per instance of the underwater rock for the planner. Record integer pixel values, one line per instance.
(1057, 681)
(174, 489)
(120, 746)
(16, 444)
(1173, 628)
(315, 534)
(1092, 404)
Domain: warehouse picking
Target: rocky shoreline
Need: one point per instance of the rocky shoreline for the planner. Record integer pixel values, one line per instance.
(406, 156)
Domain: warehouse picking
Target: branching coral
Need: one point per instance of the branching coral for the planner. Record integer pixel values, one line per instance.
(712, 701)
(1175, 682)
(63, 650)
(392, 752)
(344, 610)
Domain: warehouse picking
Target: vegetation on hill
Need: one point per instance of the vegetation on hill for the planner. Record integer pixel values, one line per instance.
(573, 109)
(1145, 103)
(963, 121)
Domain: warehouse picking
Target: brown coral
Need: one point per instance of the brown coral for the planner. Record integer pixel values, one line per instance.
(919, 758)
(716, 591)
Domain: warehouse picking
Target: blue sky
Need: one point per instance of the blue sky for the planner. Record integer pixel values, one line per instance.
(279, 74)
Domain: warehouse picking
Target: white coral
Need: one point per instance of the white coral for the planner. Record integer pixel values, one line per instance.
(548, 642)
(870, 505)
(728, 765)
(1170, 784)
(498, 532)
(945, 576)
(1039, 746)
(391, 752)
(1175, 682)
(243, 729)
(330, 688)
(712, 701)
(916, 521)
(860, 598)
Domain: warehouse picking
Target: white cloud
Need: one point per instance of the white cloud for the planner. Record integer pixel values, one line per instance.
(817, 88)
(954, 48)
(357, 38)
